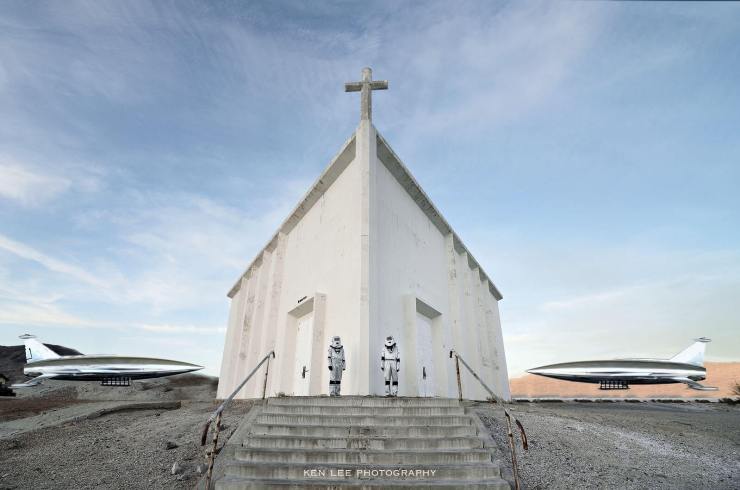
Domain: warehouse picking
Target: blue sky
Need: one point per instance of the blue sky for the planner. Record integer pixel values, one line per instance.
(587, 153)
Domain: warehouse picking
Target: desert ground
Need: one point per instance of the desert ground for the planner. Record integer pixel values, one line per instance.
(82, 435)
(53, 445)
(610, 445)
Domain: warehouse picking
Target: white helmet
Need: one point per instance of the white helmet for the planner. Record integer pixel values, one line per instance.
(389, 342)
(336, 342)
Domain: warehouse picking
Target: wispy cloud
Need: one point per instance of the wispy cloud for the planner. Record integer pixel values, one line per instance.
(52, 264)
(208, 330)
(39, 314)
(26, 186)
(515, 60)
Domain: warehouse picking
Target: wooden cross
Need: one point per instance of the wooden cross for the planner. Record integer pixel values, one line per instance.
(366, 86)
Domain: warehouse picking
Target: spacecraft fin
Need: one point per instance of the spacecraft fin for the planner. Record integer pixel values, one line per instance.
(693, 354)
(36, 351)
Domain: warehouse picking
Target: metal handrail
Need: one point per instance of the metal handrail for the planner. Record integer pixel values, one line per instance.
(497, 399)
(216, 415)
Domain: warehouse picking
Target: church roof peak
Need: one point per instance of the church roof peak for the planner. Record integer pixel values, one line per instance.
(387, 157)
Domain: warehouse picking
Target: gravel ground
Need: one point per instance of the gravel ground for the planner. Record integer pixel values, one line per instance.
(624, 445)
(125, 450)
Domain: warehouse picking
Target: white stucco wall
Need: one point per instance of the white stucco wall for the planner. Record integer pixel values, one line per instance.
(323, 256)
(367, 250)
(410, 261)
(319, 255)
(413, 260)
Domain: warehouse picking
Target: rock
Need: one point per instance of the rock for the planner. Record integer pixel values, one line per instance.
(201, 468)
(170, 445)
(180, 477)
(176, 468)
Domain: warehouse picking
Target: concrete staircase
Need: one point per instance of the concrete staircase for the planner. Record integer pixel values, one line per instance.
(360, 442)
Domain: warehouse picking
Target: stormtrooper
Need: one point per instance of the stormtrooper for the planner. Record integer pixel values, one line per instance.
(390, 365)
(336, 365)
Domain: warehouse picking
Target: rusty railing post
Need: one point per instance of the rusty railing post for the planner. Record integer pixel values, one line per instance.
(264, 385)
(513, 451)
(457, 372)
(459, 383)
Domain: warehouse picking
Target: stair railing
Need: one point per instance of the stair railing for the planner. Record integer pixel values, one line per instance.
(216, 415)
(495, 399)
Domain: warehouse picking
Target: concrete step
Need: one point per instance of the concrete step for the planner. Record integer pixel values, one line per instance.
(363, 456)
(363, 401)
(235, 483)
(360, 442)
(366, 431)
(301, 471)
(423, 411)
(368, 420)
(303, 442)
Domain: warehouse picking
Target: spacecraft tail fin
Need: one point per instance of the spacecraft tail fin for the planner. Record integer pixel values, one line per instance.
(693, 354)
(36, 351)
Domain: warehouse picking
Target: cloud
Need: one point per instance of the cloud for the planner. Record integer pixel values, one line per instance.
(55, 265)
(26, 186)
(166, 328)
(514, 60)
(171, 255)
(185, 248)
(39, 314)
(43, 314)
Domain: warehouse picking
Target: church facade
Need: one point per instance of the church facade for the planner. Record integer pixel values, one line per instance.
(364, 255)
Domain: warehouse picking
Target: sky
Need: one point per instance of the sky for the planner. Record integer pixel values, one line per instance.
(586, 152)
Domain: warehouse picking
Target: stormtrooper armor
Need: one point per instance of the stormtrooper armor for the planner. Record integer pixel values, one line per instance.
(390, 365)
(336, 366)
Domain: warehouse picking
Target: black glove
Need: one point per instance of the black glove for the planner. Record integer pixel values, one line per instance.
(331, 368)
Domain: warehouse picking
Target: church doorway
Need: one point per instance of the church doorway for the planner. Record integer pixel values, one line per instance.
(425, 373)
(303, 349)
(425, 355)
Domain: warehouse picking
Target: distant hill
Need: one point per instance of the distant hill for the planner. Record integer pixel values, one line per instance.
(12, 359)
(723, 375)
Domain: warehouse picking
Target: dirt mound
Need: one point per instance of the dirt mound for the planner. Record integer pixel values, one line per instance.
(723, 375)
(13, 358)
(187, 386)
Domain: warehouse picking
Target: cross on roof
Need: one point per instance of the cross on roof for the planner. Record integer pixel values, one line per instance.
(366, 86)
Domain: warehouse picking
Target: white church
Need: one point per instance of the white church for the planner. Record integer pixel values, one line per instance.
(364, 255)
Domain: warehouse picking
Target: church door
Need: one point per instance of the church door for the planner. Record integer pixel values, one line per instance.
(424, 355)
(303, 348)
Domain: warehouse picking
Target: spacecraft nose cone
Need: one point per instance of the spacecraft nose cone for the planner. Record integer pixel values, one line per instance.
(539, 370)
(186, 367)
